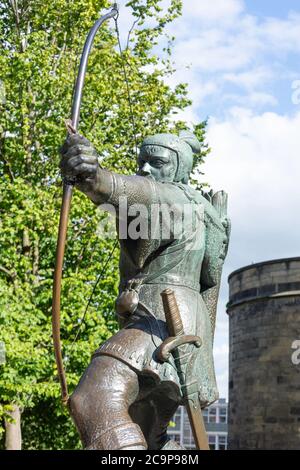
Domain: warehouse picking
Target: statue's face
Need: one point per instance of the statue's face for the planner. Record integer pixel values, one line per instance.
(158, 163)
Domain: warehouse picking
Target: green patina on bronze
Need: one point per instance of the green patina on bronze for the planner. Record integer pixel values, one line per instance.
(190, 264)
(184, 146)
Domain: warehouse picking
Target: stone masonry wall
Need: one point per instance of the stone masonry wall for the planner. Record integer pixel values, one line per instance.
(264, 384)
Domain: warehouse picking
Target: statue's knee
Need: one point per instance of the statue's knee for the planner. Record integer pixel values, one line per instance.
(101, 401)
(81, 416)
(76, 404)
(92, 410)
(85, 401)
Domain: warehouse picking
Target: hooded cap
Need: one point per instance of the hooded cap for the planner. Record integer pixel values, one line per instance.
(185, 145)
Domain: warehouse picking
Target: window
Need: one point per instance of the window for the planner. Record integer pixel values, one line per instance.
(212, 416)
(222, 443)
(188, 440)
(175, 437)
(205, 415)
(223, 415)
(180, 430)
(212, 442)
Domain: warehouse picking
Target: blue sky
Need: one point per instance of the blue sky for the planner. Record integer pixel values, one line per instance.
(243, 58)
(238, 55)
(276, 8)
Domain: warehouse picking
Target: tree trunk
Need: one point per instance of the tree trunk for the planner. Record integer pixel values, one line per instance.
(13, 436)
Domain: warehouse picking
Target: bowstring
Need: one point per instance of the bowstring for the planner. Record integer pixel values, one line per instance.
(132, 117)
(99, 277)
(133, 123)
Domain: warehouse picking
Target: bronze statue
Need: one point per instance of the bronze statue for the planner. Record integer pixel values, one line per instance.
(127, 397)
(171, 236)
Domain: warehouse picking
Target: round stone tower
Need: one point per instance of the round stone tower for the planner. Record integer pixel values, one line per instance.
(264, 356)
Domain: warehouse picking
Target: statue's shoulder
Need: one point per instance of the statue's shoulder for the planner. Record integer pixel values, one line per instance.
(181, 191)
(214, 204)
(172, 193)
(211, 202)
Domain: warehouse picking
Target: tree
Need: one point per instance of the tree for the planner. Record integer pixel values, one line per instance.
(40, 46)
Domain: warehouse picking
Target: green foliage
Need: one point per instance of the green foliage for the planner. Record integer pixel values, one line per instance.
(40, 45)
(57, 429)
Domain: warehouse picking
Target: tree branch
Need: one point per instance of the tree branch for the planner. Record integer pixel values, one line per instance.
(11, 274)
(57, 59)
(36, 260)
(3, 159)
(130, 32)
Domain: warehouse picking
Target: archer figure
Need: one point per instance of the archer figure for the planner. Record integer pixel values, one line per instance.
(126, 397)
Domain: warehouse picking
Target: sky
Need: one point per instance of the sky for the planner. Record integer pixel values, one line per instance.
(241, 60)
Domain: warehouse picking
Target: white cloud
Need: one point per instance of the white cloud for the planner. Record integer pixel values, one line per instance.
(221, 354)
(187, 115)
(211, 51)
(245, 36)
(251, 78)
(216, 10)
(282, 34)
(257, 98)
(198, 89)
(253, 100)
(256, 159)
(225, 46)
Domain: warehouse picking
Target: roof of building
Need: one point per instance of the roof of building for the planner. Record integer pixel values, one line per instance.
(263, 263)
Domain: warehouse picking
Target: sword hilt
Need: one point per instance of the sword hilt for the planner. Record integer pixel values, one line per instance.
(175, 328)
(173, 318)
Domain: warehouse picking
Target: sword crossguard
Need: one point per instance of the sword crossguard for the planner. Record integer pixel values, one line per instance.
(173, 342)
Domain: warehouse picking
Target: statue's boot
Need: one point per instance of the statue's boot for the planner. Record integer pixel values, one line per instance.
(124, 437)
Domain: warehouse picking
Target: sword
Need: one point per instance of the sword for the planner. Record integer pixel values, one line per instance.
(175, 345)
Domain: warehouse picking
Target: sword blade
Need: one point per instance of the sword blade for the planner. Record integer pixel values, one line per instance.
(197, 426)
(192, 403)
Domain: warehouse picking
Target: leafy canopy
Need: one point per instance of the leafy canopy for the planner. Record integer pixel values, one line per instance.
(41, 43)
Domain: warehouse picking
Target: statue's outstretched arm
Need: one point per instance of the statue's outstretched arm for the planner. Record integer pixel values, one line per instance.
(79, 161)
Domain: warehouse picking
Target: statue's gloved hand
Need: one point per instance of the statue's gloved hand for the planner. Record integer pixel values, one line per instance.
(79, 163)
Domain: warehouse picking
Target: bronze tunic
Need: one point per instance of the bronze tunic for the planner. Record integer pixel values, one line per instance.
(149, 265)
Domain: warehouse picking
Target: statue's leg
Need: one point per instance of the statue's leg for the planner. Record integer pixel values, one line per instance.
(99, 406)
(165, 413)
(154, 414)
